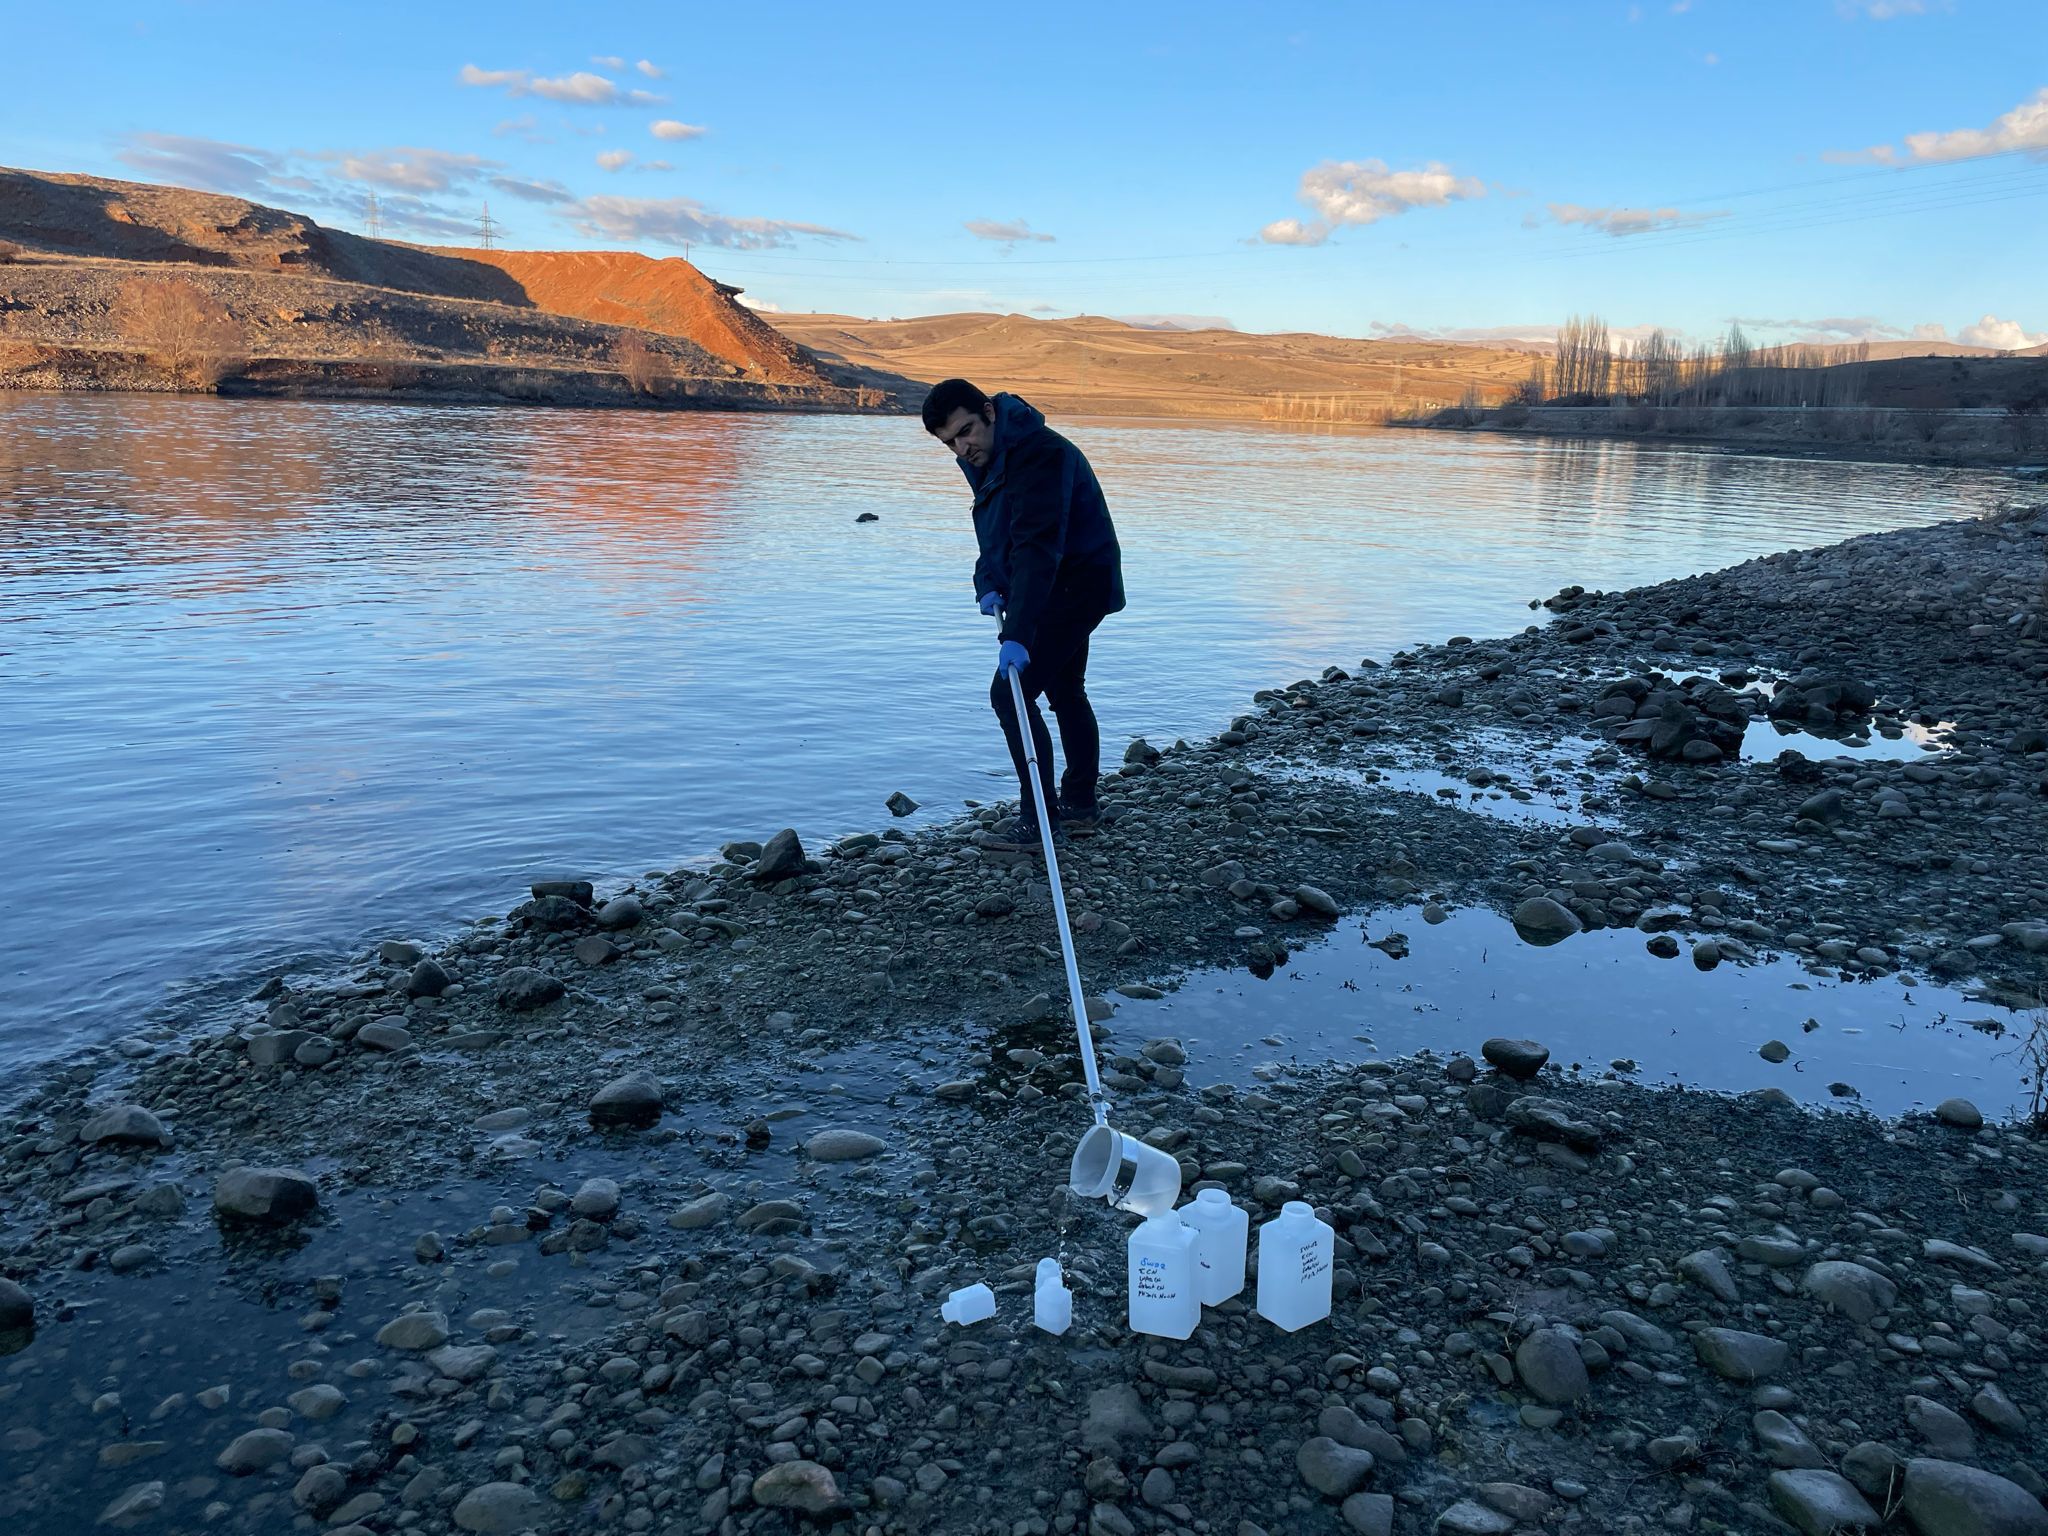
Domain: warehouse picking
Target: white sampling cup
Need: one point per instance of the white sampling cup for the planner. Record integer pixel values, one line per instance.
(969, 1304)
(1162, 1278)
(1052, 1304)
(1221, 1230)
(1297, 1255)
(1130, 1174)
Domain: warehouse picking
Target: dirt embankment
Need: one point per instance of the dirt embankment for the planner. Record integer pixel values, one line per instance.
(321, 311)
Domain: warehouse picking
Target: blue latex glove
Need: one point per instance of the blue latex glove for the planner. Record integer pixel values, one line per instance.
(1012, 655)
(990, 602)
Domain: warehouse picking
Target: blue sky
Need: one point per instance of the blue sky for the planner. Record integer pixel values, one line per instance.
(1824, 169)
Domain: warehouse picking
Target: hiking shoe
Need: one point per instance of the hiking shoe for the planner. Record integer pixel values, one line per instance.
(1023, 831)
(1081, 818)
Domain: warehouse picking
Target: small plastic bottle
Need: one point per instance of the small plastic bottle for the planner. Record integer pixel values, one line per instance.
(1162, 1278)
(1052, 1304)
(1221, 1231)
(1296, 1267)
(969, 1304)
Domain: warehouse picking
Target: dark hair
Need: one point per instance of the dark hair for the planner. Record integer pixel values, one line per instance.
(948, 396)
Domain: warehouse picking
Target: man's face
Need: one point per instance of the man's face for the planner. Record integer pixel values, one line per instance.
(970, 435)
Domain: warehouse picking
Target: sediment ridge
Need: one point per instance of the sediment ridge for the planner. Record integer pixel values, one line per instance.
(635, 1206)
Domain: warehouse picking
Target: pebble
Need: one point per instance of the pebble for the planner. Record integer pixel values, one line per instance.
(799, 1485)
(1819, 1502)
(835, 1145)
(414, 1331)
(1739, 1356)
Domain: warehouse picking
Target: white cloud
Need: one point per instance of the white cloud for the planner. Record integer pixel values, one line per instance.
(669, 128)
(1934, 330)
(533, 191)
(526, 127)
(1882, 10)
(607, 61)
(2024, 128)
(1626, 221)
(2003, 335)
(1294, 232)
(1345, 192)
(651, 71)
(614, 159)
(685, 221)
(1395, 331)
(582, 88)
(656, 165)
(408, 170)
(1007, 233)
(209, 164)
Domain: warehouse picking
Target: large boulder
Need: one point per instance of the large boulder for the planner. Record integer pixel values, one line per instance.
(523, 989)
(125, 1125)
(631, 1101)
(1519, 1059)
(1539, 920)
(1857, 1293)
(1945, 1498)
(274, 1196)
(781, 857)
(1549, 1365)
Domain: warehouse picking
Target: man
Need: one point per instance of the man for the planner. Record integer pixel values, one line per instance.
(1049, 561)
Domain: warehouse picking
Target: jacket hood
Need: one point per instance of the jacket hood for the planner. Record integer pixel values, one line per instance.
(1016, 418)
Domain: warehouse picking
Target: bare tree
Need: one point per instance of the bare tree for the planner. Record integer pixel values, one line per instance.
(181, 328)
(637, 364)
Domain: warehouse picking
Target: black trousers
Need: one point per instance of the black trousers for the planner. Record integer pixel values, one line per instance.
(1058, 670)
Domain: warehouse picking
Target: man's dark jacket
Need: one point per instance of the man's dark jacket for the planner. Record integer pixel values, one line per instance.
(1046, 540)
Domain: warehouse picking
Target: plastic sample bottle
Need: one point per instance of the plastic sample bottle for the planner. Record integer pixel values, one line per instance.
(1162, 1278)
(1052, 1304)
(1221, 1231)
(1296, 1267)
(969, 1304)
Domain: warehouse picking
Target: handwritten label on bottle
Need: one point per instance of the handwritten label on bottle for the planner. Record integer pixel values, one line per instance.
(1150, 1282)
(1313, 1264)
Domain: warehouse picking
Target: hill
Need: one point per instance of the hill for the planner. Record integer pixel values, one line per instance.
(1096, 365)
(315, 310)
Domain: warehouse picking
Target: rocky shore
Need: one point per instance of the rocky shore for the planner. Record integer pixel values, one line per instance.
(633, 1209)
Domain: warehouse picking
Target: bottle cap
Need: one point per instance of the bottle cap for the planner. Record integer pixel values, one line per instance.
(1298, 1208)
(1213, 1197)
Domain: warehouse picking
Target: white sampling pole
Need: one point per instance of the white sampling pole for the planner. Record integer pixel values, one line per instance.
(1084, 1037)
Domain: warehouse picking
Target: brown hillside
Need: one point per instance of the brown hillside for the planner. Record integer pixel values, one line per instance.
(320, 310)
(667, 295)
(1094, 364)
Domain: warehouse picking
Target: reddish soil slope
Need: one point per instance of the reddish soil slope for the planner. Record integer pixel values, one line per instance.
(666, 295)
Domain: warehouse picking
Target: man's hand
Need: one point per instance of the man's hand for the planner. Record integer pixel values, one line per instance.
(1012, 657)
(990, 602)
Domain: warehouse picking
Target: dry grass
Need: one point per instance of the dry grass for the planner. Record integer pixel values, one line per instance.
(9, 251)
(184, 331)
(638, 365)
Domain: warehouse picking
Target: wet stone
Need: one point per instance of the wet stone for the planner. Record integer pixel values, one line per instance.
(414, 1331)
(799, 1485)
(1819, 1502)
(270, 1195)
(498, 1509)
(1943, 1498)
(1549, 1365)
(1519, 1059)
(254, 1451)
(127, 1125)
(1739, 1356)
(631, 1101)
(836, 1145)
(1333, 1470)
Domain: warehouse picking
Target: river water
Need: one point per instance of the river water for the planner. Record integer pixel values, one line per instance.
(280, 679)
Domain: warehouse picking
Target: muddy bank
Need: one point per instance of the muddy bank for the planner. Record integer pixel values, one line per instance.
(743, 1318)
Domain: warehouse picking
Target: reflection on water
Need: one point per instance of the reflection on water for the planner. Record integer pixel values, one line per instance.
(280, 677)
(1594, 999)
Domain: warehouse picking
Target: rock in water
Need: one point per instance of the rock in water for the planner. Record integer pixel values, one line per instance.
(1944, 1498)
(125, 1124)
(523, 989)
(841, 1146)
(415, 1331)
(581, 892)
(1539, 920)
(1519, 1059)
(901, 804)
(498, 1509)
(135, 1505)
(17, 1318)
(620, 912)
(781, 857)
(254, 1451)
(273, 1195)
(801, 1485)
(632, 1101)
(1313, 898)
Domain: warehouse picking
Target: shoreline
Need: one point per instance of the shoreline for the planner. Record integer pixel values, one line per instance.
(905, 986)
(1681, 427)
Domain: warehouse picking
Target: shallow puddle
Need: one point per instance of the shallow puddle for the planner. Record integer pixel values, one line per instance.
(1594, 999)
(1765, 739)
